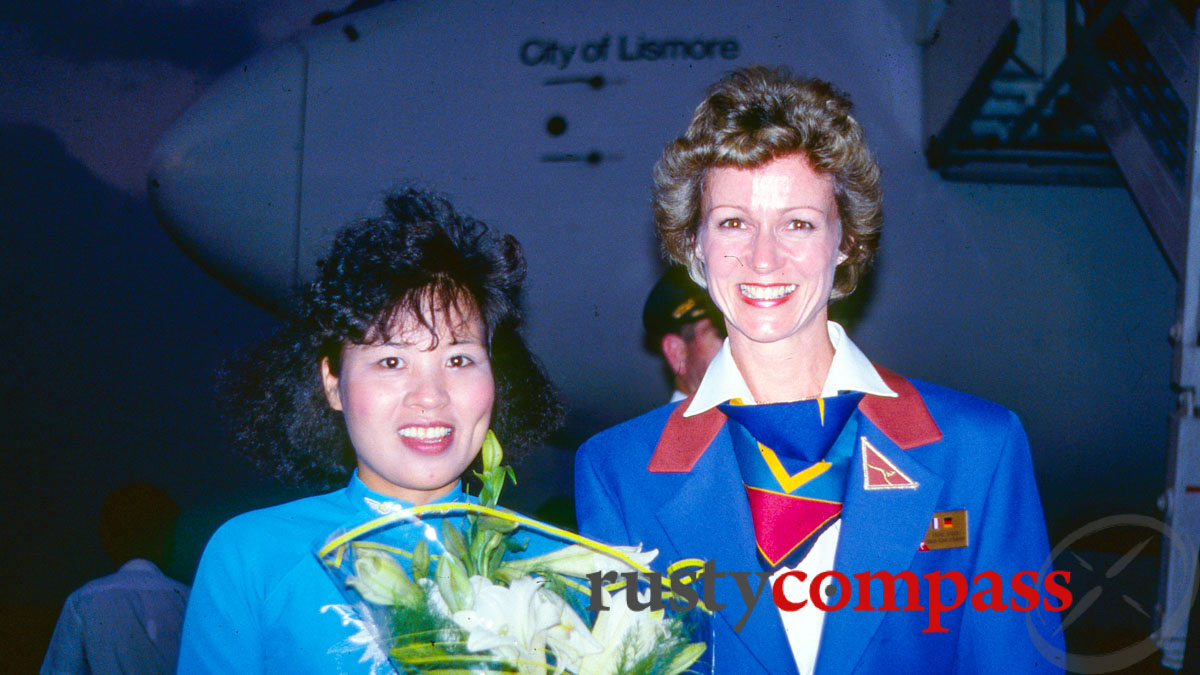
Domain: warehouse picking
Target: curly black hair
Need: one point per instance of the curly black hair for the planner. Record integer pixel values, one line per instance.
(420, 258)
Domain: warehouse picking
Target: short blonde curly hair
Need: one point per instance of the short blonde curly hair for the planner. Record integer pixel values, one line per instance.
(755, 115)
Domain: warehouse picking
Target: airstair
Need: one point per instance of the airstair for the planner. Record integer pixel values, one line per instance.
(1091, 92)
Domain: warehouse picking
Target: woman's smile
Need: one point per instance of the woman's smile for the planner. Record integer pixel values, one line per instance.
(762, 295)
(428, 439)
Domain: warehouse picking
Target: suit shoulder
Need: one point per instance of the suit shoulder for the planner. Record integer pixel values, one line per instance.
(633, 439)
(977, 434)
(954, 408)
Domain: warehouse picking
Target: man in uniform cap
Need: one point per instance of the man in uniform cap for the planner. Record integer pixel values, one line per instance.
(683, 325)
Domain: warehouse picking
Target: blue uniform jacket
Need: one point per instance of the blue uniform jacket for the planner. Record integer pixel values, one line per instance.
(672, 483)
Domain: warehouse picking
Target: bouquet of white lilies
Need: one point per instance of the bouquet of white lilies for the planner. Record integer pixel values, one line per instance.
(451, 588)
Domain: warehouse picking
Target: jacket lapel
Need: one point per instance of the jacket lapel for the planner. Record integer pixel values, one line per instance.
(684, 439)
(903, 418)
(708, 518)
(882, 527)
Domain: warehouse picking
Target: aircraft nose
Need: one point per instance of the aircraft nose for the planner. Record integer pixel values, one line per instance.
(225, 179)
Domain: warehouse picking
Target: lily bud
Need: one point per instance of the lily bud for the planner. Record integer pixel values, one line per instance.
(420, 560)
(685, 658)
(579, 561)
(492, 454)
(453, 539)
(453, 582)
(381, 580)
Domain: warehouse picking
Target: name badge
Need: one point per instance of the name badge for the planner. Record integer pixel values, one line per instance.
(948, 529)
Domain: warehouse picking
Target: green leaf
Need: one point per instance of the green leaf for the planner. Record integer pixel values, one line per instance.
(497, 524)
(507, 575)
(495, 557)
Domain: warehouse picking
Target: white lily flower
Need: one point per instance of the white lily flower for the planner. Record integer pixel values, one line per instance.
(579, 561)
(570, 640)
(381, 580)
(625, 636)
(517, 623)
(510, 622)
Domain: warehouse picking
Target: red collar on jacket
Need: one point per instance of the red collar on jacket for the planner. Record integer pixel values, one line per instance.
(903, 418)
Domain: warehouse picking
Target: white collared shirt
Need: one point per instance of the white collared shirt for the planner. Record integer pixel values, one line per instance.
(849, 371)
(125, 622)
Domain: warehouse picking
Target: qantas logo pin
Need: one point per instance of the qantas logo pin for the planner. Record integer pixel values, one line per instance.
(880, 474)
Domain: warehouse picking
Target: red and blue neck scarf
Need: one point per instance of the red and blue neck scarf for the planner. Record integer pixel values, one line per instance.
(794, 458)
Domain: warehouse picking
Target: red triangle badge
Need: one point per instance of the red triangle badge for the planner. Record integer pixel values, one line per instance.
(879, 473)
